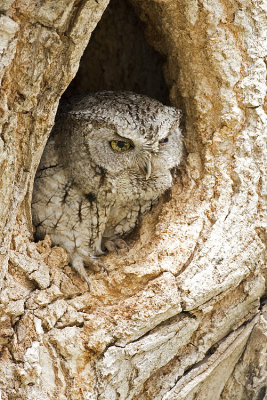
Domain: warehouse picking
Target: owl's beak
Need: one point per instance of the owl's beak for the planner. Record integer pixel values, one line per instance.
(148, 169)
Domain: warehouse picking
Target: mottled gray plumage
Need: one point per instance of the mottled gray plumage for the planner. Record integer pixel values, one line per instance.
(85, 192)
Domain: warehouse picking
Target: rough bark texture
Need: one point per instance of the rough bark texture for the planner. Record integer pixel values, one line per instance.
(179, 316)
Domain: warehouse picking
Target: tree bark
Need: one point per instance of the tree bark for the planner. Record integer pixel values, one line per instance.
(180, 315)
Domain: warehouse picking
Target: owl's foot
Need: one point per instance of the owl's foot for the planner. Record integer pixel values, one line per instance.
(78, 265)
(114, 245)
(79, 262)
(97, 266)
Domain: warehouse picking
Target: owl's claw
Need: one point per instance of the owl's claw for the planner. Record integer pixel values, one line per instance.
(104, 268)
(111, 246)
(96, 265)
(114, 245)
(78, 265)
(121, 244)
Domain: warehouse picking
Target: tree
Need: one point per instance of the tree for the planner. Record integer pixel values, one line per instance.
(179, 316)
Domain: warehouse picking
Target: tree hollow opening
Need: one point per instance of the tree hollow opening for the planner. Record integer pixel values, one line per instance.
(118, 57)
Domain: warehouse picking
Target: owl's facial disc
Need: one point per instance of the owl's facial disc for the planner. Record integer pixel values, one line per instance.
(125, 145)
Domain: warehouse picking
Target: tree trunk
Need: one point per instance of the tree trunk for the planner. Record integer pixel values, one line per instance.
(179, 316)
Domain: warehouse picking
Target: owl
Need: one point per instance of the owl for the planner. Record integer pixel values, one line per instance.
(107, 161)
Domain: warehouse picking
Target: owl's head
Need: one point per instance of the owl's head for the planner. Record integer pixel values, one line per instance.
(123, 132)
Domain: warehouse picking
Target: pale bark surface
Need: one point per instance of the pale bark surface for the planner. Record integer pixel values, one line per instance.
(179, 316)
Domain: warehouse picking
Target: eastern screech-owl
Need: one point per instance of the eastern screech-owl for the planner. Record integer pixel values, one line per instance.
(106, 162)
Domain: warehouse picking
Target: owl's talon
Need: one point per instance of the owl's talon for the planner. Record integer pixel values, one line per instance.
(78, 266)
(114, 245)
(104, 268)
(98, 265)
(111, 246)
(79, 262)
(121, 244)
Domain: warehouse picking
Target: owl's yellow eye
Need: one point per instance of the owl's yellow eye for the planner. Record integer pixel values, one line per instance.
(120, 145)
